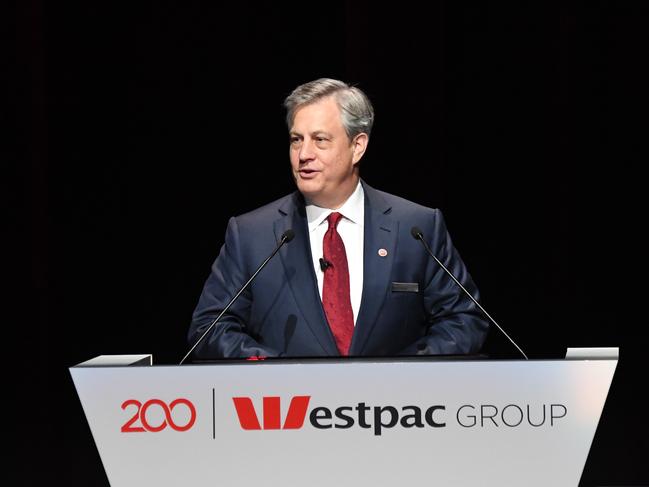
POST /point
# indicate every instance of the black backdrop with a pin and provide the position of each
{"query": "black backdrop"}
(138, 130)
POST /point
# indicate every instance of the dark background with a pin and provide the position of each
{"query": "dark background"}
(134, 132)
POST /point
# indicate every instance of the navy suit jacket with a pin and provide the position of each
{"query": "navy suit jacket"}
(281, 313)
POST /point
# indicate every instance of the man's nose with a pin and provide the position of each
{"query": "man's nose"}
(306, 151)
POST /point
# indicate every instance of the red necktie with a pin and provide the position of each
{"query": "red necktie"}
(335, 290)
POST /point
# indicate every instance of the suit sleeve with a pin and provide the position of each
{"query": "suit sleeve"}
(454, 324)
(229, 338)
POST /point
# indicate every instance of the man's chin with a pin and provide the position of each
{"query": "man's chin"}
(310, 189)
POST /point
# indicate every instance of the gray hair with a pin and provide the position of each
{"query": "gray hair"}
(356, 110)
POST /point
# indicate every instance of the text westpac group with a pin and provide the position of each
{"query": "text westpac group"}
(380, 417)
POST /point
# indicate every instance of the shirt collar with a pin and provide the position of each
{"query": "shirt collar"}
(352, 210)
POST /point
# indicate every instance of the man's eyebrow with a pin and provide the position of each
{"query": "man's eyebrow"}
(321, 132)
(315, 133)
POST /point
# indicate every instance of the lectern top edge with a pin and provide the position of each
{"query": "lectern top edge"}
(573, 353)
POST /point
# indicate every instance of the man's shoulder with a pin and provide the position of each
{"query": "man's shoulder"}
(396, 203)
(272, 210)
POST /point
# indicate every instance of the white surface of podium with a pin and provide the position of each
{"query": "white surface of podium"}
(345, 422)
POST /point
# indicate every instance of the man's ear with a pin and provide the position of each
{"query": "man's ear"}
(359, 146)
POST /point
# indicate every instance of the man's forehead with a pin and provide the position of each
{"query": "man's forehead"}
(319, 115)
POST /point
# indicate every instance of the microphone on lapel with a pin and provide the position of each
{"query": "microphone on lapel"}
(324, 264)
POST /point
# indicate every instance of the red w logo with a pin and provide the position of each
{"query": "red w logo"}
(272, 417)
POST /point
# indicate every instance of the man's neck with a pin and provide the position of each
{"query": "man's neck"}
(336, 201)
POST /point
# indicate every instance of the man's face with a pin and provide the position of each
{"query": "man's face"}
(323, 159)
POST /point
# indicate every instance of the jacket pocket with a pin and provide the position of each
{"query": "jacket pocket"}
(405, 287)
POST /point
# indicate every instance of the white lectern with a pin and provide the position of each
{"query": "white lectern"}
(355, 422)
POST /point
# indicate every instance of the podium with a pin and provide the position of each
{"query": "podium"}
(345, 422)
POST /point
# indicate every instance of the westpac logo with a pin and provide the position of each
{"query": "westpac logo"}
(271, 413)
(342, 417)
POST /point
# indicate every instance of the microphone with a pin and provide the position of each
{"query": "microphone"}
(418, 235)
(324, 264)
(286, 237)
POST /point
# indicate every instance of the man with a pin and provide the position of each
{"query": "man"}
(353, 281)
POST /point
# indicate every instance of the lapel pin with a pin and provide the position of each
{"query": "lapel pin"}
(383, 252)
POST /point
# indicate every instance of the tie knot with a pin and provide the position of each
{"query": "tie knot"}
(333, 219)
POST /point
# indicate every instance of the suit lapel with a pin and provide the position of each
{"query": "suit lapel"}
(380, 233)
(298, 268)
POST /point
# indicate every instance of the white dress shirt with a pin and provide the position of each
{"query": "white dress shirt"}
(350, 228)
